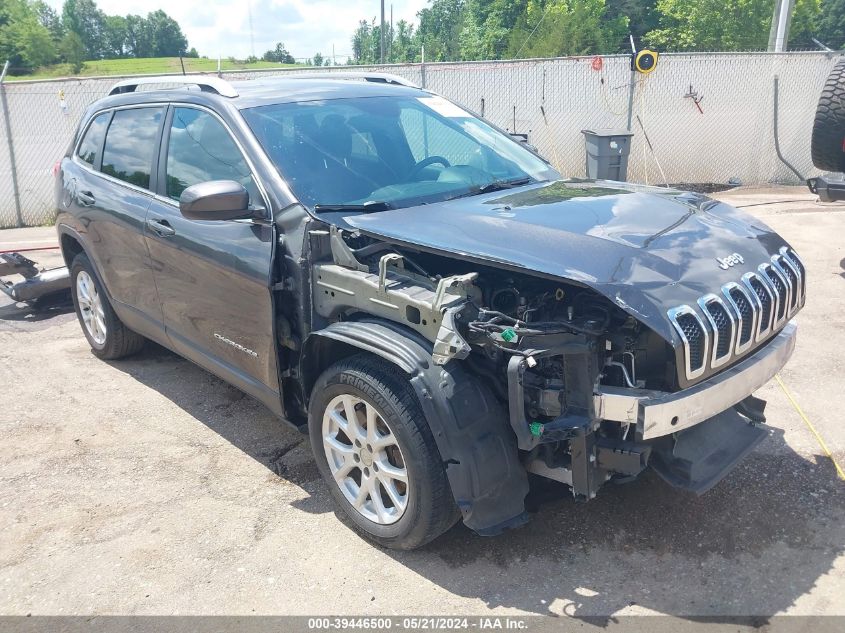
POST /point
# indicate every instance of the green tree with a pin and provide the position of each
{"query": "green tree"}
(567, 27)
(166, 35)
(317, 60)
(72, 51)
(114, 36)
(642, 17)
(712, 25)
(279, 54)
(24, 40)
(84, 18)
(472, 40)
(139, 41)
(805, 24)
(440, 28)
(487, 27)
(404, 47)
(727, 25)
(48, 17)
(363, 51)
(831, 23)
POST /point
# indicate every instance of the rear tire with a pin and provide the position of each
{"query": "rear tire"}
(828, 140)
(386, 414)
(108, 337)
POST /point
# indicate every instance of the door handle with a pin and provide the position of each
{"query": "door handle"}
(161, 228)
(86, 198)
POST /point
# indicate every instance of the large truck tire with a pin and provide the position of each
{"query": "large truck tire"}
(828, 141)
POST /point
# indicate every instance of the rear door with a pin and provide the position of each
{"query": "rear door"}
(111, 189)
(213, 277)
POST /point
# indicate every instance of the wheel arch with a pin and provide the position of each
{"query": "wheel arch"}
(70, 245)
(325, 347)
(469, 425)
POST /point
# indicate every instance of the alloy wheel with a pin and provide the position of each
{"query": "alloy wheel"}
(91, 307)
(365, 459)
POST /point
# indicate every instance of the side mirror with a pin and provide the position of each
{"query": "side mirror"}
(215, 200)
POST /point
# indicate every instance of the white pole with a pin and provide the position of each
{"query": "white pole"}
(381, 36)
(779, 37)
(422, 68)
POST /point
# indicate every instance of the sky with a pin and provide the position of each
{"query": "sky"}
(221, 27)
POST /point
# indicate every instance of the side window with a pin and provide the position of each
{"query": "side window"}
(200, 149)
(131, 145)
(91, 143)
(428, 136)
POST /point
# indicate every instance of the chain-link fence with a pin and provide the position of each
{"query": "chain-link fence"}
(698, 118)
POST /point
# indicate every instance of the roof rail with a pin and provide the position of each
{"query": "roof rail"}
(205, 83)
(385, 78)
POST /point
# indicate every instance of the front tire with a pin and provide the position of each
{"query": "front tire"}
(108, 337)
(375, 450)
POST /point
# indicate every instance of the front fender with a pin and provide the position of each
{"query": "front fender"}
(470, 426)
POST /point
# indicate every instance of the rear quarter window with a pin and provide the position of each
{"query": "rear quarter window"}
(92, 142)
(131, 145)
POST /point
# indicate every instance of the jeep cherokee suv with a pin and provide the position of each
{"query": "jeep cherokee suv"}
(424, 295)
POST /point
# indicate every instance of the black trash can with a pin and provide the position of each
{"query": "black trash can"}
(607, 153)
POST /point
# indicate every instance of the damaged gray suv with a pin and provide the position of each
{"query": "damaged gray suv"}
(422, 294)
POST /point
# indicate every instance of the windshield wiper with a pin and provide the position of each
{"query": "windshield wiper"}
(370, 206)
(495, 185)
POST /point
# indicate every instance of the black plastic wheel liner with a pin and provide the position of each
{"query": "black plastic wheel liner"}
(470, 427)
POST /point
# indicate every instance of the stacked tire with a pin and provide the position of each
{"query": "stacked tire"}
(828, 140)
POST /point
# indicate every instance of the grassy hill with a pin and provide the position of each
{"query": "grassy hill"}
(152, 65)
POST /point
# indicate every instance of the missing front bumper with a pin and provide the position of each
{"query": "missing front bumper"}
(658, 413)
(36, 283)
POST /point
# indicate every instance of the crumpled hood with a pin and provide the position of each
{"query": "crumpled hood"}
(645, 248)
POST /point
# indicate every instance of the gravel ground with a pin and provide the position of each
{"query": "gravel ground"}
(148, 486)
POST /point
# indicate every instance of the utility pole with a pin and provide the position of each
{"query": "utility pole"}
(390, 43)
(779, 35)
(251, 30)
(632, 86)
(12, 162)
(381, 33)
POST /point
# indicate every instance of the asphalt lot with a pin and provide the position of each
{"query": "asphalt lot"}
(148, 486)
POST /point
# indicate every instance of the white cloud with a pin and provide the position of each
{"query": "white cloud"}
(306, 27)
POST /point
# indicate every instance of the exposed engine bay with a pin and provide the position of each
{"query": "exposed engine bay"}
(544, 347)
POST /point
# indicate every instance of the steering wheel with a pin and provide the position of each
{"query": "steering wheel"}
(425, 162)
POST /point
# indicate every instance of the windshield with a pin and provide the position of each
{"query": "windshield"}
(394, 151)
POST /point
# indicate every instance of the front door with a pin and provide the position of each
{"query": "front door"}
(213, 277)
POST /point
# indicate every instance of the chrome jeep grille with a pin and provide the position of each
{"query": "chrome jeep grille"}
(778, 285)
(729, 324)
(798, 267)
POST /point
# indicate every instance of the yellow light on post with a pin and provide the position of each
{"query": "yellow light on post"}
(645, 61)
